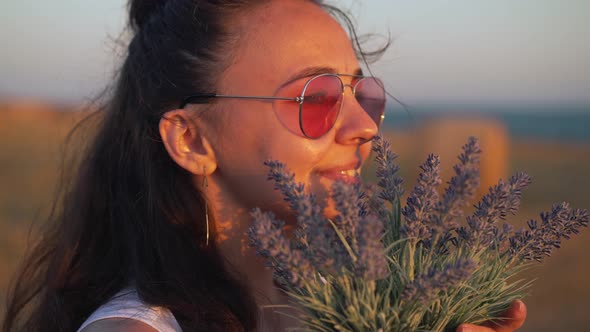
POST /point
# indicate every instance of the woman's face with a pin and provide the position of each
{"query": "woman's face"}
(280, 41)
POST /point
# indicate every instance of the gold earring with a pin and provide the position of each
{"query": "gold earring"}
(205, 185)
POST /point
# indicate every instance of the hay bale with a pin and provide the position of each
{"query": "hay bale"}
(445, 136)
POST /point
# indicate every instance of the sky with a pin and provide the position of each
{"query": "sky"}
(504, 52)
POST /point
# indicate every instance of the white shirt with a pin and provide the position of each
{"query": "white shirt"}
(126, 304)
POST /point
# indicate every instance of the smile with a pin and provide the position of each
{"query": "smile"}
(347, 176)
(350, 172)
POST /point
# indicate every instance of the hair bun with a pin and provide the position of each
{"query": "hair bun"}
(140, 11)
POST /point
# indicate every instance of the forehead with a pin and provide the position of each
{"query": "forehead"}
(283, 37)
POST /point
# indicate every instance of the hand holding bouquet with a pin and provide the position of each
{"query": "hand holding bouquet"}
(378, 266)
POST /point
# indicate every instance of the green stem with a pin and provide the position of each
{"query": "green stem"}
(411, 259)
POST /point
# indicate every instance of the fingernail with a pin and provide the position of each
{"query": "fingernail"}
(465, 328)
(518, 305)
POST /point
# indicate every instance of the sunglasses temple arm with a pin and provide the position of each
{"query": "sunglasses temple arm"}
(202, 98)
(257, 97)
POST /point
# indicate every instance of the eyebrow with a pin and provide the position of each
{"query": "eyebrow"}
(314, 71)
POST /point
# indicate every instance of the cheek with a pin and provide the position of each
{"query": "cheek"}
(252, 133)
(244, 145)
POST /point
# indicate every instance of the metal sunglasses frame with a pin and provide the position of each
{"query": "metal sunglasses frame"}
(201, 98)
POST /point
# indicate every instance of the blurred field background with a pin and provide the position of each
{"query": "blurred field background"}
(31, 151)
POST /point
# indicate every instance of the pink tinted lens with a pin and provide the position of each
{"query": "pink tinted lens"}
(321, 104)
(370, 95)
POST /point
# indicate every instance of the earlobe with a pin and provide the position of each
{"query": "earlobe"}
(187, 143)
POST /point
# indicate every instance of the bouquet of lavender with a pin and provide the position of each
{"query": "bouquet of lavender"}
(379, 267)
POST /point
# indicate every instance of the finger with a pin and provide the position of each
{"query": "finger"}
(473, 328)
(515, 317)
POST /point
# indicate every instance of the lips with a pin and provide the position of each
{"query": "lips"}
(346, 174)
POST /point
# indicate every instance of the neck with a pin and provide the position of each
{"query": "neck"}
(232, 221)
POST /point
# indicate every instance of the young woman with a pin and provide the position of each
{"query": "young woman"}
(151, 236)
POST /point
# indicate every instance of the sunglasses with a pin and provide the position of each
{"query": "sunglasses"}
(315, 110)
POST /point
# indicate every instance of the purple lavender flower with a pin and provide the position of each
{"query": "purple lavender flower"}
(371, 263)
(462, 187)
(387, 170)
(422, 201)
(577, 218)
(518, 182)
(266, 235)
(493, 206)
(371, 202)
(500, 237)
(284, 181)
(348, 204)
(353, 244)
(538, 241)
(309, 213)
(316, 239)
(428, 286)
(502, 199)
(326, 251)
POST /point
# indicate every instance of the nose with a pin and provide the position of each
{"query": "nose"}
(354, 125)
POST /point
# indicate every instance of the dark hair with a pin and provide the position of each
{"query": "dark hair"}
(132, 215)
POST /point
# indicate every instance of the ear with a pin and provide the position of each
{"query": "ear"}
(186, 143)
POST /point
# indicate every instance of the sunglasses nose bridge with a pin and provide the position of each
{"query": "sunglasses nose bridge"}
(352, 88)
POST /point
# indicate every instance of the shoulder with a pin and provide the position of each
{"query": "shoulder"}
(118, 325)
